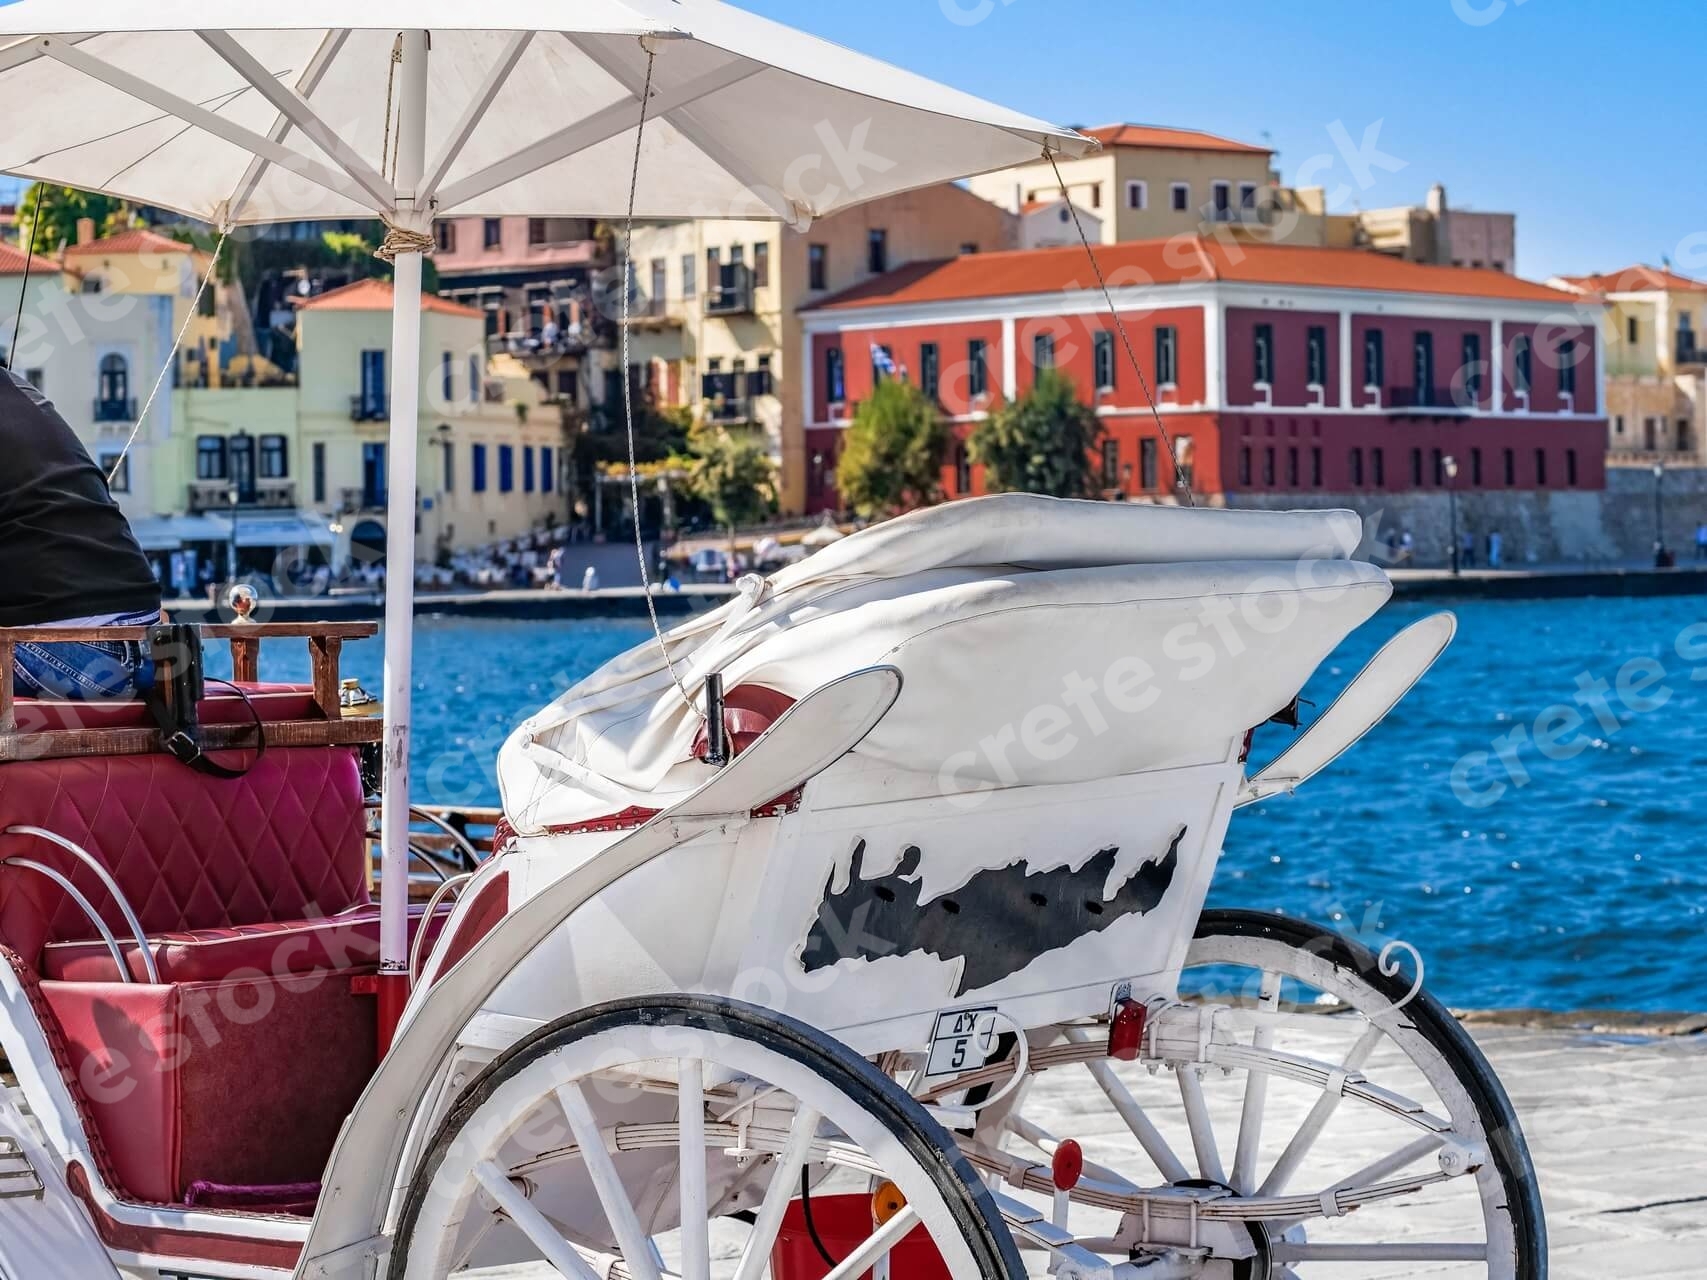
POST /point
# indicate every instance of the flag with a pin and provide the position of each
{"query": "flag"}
(882, 363)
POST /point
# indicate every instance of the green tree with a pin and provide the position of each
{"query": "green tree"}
(1041, 443)
(894, 451)
(60, 209)
(733, 476)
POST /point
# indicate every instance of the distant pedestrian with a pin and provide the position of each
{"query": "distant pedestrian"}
(1407, 546)
(1701, 540)
(1467, 550)
(590, 580)
(1495, 548)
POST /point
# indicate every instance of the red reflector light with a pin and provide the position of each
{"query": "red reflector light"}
(1126, 1032)
(1068, 1166)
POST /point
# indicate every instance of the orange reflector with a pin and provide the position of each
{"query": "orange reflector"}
(886, 1202)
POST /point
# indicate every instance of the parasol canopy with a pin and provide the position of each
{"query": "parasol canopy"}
(235, 112)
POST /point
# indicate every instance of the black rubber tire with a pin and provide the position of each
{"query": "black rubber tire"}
(1436, 1024)
(965, 1193)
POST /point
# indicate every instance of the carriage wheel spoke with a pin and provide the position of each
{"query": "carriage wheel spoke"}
(1302, 1141)
(695, 1214)
(1409, 1251)
(1121, 1099)
(532, 1223)
(1256, 1094)
(784, 1177)
(1388, 1165)
(876, 1245)
(1202, 1128)
(635, 1243)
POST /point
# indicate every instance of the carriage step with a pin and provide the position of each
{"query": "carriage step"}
(18, 1177)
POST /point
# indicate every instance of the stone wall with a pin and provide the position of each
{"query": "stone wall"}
(1551, 526)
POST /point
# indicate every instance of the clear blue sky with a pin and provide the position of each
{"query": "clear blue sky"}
(1583, 117)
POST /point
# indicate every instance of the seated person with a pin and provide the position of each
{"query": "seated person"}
(68, 557)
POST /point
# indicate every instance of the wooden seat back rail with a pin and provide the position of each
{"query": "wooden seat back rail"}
(327, 727)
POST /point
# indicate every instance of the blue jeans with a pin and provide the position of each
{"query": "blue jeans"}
(81, 672)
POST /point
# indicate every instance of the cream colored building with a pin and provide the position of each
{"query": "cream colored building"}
(490, 446)
(716, 303)
(1655, 341)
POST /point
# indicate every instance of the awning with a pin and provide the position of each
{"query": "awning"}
(279, 529)
(168, 533)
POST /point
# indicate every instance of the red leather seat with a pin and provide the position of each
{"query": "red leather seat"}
(239, 1067)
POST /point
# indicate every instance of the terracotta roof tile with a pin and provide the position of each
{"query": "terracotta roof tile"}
(12, 261)
(137, 240)
(1157, 137)
(1182, 260)
(1636, 279)
(376, 295)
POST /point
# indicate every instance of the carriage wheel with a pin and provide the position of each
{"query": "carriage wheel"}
(1349, 1120)
(649, 1137)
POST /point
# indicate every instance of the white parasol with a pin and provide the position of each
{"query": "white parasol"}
(240, 113)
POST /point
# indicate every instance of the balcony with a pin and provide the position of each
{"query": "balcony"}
(1687, 352)
(267, 495)
(370, 408)
(731, 293)
(1237, 215)
(120, 410)
(1430, 401)
(356, 501)
(534, 346)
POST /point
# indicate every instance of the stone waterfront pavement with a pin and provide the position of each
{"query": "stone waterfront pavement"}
(1617, 1126)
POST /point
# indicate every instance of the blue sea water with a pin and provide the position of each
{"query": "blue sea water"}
(1583, 887)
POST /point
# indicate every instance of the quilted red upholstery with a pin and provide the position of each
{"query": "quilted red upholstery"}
(271, 701)
(348, 941)
(283, 843)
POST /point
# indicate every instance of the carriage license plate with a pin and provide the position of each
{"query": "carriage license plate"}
(963, 1040)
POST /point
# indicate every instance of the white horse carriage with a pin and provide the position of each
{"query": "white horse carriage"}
(798, 920)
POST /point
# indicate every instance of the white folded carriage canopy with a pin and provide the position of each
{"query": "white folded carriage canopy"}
(1040, 641)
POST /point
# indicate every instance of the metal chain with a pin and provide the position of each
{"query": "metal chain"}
(628, 393)
(172, 359)
(1180, 478)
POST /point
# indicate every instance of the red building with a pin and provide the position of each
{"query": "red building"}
(1276, 369)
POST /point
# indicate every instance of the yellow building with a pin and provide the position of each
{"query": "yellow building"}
(491, 448)
(1655, 340)
(716, 303)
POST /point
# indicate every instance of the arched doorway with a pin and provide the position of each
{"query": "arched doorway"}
(113, 402)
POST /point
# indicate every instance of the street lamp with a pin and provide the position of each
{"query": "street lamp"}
(231, 497)
(1659, 516)
(1451, 465)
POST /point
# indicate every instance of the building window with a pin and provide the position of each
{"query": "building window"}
(929, 369)
(1268, 467)
(1374, 359)
(968, 249)
(1416, 468)
(449, 451)
(318, 462)
(1262, 354)
(759, 381)
(1245, 466)
(275, 458)
(1316, 355)
(447, 376)
(737, 255)
(492, 233)
(1631, 330)
(1137, 193)
(835, 386)
(114, 381)
(1476, 467)
(1221, 197)
(1103, 359)
(1650, 433)
(1247, 195)
(1510, 468)
(817, 266)
(882, 362)
(474, 379)
(1147, 464)
(1096, 195)
(1521, 348)
(1422, 367)
(962, 469)
(547, 475)
(1571, 468)
(536, 232)
(1378, 467)
(660, 286)
(478, 456)
(1471, 363)
(690, 273)
(1111, 464)
(761, 264)
(210, 457)
(1180, 193)
(1292, 473)
(877, 251)
(527, 468)
(1357, 468)
(1682, 444)
(1439, 469)
(1618, 425)
(977, 368)
(1316, 466)
(1043, 351)
(444, 235)
(116, 467)
(1540, 468)
(506, 468)
(1167, 355)
(1567, 366)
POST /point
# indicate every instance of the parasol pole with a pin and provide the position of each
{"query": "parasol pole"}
(411, 160)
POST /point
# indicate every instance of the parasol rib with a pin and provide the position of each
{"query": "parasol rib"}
(295, 108)
(495, 80)
(601, 126)
(316, 71)
(208, 122)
